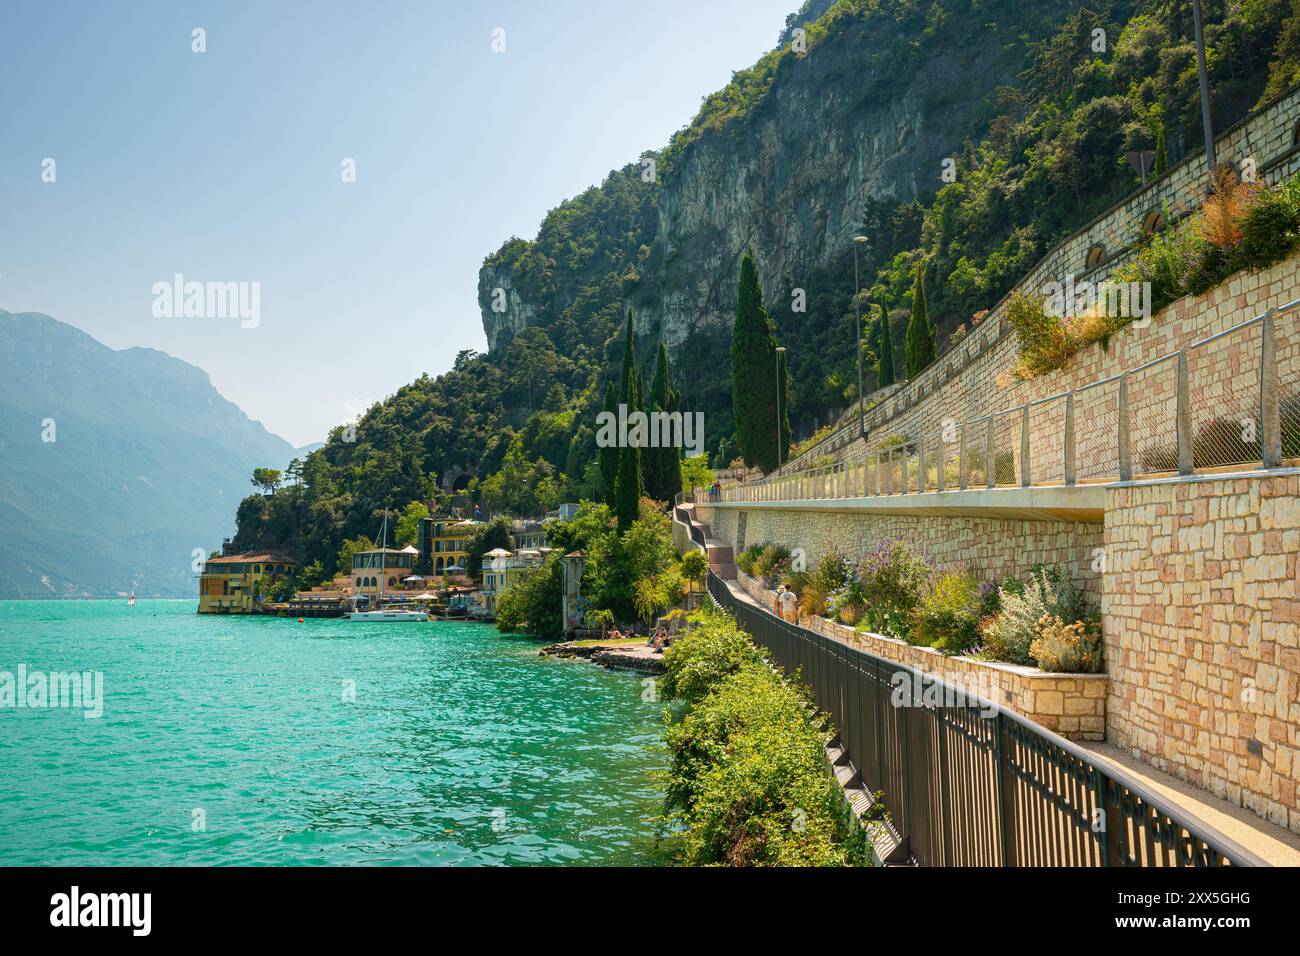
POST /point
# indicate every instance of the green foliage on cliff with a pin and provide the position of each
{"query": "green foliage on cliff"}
(1038, 148)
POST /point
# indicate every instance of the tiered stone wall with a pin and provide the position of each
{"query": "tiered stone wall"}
(1202, 623)
(983, 387)
(990, 548)
(1267, 137)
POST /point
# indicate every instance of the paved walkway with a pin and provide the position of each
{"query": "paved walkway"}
(1280, 847)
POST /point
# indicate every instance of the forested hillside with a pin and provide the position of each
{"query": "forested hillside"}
(842, 129)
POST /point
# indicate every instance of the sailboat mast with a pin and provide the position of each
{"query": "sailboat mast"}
(383, 547)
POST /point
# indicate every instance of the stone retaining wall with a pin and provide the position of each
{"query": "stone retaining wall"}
(990, 548)
(1202, 622)
(1072, 705)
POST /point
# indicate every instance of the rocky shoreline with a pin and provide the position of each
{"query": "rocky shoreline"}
(615, 657)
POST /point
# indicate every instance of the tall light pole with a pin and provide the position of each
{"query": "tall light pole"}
(857, 336)
(1197, 19)
(780, 352)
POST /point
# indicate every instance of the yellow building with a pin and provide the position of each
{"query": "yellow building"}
(240, 583)
(502, 570)
(444, 544)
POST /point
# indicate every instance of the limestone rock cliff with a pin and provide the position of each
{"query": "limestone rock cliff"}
(868, 113)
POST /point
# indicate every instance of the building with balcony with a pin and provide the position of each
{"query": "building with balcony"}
(444, 544)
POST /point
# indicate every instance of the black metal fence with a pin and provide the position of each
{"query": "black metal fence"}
(967, 783)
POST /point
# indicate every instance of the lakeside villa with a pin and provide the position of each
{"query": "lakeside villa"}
(239, 583)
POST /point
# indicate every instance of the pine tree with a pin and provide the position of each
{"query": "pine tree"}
(753, 372)
(661, 465)
(628, 483)
(609, 454)
(919, 344)
(885, 356)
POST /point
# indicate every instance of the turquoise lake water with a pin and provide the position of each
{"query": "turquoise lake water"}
(228, 740)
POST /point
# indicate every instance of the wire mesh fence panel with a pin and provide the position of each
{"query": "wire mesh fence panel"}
(933, 447)
(910, 468)
(1006, 447)
(949, 449)
(1286, 332)
(1046, 442)
(976, 438)
(1223, 382)
(1096, 431)
(1153, 407)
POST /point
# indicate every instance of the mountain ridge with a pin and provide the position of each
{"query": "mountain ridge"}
(146, 464)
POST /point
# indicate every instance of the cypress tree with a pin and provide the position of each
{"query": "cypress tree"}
(783, 375)
(919, 344)
(609, 455)
(885, 356)
(628, 484)
(661, 465)
(753, 372)
(1162, 155)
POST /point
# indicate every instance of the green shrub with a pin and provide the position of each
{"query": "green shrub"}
(532, 606)
(1207, 266)
(826, 577)
(748, 557)
(748, 783)
(1044, 339)
(948, 617)
(1270, 226)
(1075, 648)
(893, 577)
(773, 558)
(1046, 593)
(696, 662)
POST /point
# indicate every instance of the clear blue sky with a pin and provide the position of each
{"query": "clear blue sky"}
(225, 166)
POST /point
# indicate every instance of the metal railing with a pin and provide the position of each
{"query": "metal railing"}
(966, 783)
(1229, 400)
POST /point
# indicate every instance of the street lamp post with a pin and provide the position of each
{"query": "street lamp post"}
(780, 351)
(857, 336)
(1197, 22)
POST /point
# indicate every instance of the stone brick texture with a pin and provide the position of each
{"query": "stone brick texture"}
(1202, 624)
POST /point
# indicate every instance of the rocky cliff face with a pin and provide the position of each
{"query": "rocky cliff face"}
(505, 310)
(868, 113)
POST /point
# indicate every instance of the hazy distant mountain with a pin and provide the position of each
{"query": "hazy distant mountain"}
(148, 463)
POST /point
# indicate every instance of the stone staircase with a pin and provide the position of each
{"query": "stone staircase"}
(722, 561)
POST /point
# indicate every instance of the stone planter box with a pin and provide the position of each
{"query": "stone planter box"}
(1072, 705)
